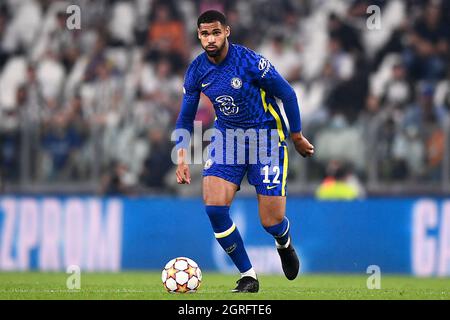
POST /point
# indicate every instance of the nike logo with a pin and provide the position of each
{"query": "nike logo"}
(271, 187)
(205, 84)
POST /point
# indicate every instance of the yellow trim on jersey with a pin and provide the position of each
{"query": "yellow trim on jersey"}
(285, 168)
(263, 98)
(274, 114)
(225, 233)
(278, 120)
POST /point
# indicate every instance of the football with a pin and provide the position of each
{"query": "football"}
(181, 275)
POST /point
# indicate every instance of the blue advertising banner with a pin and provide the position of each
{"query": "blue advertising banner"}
(408, 236)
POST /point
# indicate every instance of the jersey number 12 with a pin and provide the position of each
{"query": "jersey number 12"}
(275, 170)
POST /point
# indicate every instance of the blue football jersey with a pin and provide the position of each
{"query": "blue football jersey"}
(243, 89)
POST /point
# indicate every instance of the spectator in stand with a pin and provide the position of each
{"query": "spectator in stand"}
(429, 48)
(76, 119)
(240, 33)
(424, 114)
(398, 91)
(162, 87)
(4, 54)
(166, 36)
(348, 36)
(96, 57)
(63, 42)
(158, 162)
(10, 144)
(283, 56)
(60, 142)
(428, 120)
(442, 96)
(339, 184)
(116, 180)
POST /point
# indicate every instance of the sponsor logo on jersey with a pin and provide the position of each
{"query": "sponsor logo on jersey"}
(262, 64)
(227, 106)
(265, 65)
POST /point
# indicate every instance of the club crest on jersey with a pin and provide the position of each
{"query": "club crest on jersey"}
(236, 83)
(227, 106)
(208, 164)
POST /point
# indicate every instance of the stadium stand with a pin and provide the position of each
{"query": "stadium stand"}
(93, 109)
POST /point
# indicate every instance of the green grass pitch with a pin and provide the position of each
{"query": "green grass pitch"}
(147, 285)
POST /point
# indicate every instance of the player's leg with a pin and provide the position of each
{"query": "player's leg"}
(270, 181)
(218, 195)
(272, 214)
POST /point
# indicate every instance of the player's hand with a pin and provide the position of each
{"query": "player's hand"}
(183, 174)
(302, 145)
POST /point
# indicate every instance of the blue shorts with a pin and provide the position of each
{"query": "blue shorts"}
(268, 179)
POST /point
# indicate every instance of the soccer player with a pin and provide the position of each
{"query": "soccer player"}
(242, 86)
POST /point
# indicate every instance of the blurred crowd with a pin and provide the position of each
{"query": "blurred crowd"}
(99, 103)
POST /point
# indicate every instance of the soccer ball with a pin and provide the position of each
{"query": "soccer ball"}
(181, 275)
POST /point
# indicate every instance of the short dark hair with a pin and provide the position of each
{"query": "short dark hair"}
(211, 16)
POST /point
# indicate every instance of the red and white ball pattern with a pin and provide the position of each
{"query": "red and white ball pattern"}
(181, 275)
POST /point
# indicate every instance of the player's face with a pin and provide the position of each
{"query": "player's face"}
(213, 37)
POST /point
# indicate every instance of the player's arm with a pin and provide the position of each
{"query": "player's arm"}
(302, 145)
(272, 82)
(183, 174)
(185, 125)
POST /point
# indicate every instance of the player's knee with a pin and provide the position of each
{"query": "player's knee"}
(277, 228)
(271, 220)
(215, 199)
(218, 192)
(212, 202)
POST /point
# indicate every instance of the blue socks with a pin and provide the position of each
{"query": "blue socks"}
(230, 239)
(228, 236)
(280, 232)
